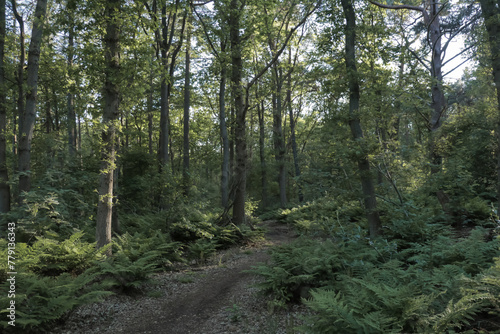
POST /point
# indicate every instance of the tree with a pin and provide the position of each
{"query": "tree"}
(370, 200)
(491, 12)
(220, 21)
(4, 175)
(28, 122)
(169, 51)
(187, 105)
(431, 13)
(111, 99)
(71, 96)
(241, 98)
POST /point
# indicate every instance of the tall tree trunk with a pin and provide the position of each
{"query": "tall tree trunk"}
(70, 96)
(292, 129)
(370, 200)
(224, 134)
(32, 86)
(491, 13)
(168, 63)
(150, 113)
(187, 105)
(262, 153)
(279, 143)
(240, 113)
(4, 175)
(438, 104)
(110, 119)
(165, 89)
(20, 87)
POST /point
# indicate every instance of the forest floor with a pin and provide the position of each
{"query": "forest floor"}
(214, 298)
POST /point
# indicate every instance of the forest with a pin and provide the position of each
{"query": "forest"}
(143, 136)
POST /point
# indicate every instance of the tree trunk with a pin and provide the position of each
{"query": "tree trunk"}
(240, 113)
(224, 134)
(292, 129)
(438, 104)
(4, 176)
(262, 153)
(279, 144)
(370, 200)
(187, 104)
(168, 63)
(32, 84)
(491, 12)
(70, 97)
(110, 118)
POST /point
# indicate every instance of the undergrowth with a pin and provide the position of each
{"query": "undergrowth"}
(422, 279)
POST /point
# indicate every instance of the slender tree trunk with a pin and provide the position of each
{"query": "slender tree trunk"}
(279, 143)
(224, 134)
(370, 200)
(48, 112)
(111, 96)
(150, 114)
(292, 130)
(187, 105)
(168, 62)
(231, 142)
(240, 113)
(20, 68)
(438, 104)
(262, 153)
(164, 123)
(32, 85)
(4, 175)
(491, 13)
(165, 91)
(70, 96)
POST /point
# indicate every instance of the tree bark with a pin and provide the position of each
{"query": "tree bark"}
(20, 68)
(262, 153)
(4, 175)
(111, 94)
(292, 129)
(240, 113)
(223, 133)
(187, 105)
(491, 13)
(279, 143)
(369, 198)
(168, 62)
(32, 85)
(71, 97)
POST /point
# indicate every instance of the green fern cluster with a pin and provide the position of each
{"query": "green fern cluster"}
(50, 257)
(136, 258)
(357, 285)
(39, 301)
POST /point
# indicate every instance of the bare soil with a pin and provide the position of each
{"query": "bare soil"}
(218, 297)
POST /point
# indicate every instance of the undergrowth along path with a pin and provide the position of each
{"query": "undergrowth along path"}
(218, 297)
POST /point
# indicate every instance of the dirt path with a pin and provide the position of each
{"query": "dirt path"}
(218, 298)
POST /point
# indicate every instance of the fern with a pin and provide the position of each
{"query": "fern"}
(42, 300)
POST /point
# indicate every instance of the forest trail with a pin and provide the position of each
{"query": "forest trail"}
(202, 300)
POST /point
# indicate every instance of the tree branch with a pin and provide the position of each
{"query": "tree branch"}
(280, 51)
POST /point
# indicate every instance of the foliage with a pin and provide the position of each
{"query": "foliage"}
(49, 257)
(357, 285)
(136, 258)
(40, 301)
